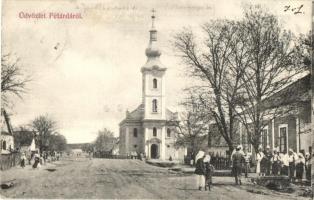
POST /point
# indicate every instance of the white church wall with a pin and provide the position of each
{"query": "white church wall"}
(138, 140)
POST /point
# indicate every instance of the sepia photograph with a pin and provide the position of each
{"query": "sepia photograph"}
(113, 99)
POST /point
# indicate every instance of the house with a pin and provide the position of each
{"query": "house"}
(6, 137)
(24, 140)
(7, 142)
(289, 129)
(148, 129)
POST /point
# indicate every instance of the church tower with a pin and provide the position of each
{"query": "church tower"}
(153, 80)
(148, 128)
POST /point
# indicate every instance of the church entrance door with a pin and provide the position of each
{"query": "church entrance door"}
(154, 151)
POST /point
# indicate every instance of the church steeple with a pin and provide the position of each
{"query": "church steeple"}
(152, 51)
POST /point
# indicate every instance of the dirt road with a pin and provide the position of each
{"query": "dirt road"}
(82, 178)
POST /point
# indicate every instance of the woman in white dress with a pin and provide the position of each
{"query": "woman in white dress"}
(259, 157)
(200, 169)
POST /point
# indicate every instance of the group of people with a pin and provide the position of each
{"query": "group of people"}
(36, 160)
(268, 163)
(204, 170)
(289, 164)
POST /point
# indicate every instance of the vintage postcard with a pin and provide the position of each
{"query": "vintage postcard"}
(113, 99)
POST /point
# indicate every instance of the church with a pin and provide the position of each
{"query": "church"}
(148, 129)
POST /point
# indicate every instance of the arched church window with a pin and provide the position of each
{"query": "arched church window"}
(168, 132)
(135, 132)
(155, 105)
(4, 145)
(154, 83)
(154, 132)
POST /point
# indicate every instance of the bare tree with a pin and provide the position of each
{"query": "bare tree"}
(215, 61)
(13, 80)
(272, 64)
(192, 128)
(44, 126)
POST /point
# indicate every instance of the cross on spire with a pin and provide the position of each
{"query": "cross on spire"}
(153, 18)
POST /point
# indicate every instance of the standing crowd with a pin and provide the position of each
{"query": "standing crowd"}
(297, 166)
(289, 163)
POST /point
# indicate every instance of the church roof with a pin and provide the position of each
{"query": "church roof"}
(137, 115)
(153, 64)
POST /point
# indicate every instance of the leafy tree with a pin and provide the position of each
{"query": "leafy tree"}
(105, 140)
(44, 127)
(88, 147)
(57, 142)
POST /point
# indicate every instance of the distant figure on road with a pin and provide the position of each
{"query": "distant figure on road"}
(90, 155)
(237, 161)
(23, 160)
(200, 169)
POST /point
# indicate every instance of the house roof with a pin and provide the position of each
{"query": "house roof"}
(296, 92)
(5, 133)
(26, 135)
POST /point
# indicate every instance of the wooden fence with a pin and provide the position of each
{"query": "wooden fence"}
(110, 156)
(9, 160)
(220, 162)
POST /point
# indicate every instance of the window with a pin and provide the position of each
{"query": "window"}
(283, 146)
(264, 138)
(154, 132)
(168, 132)
(135, 132)
(155, 105)
(154, 83)
(4, 145)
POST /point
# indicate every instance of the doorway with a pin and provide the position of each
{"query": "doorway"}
(154, 151)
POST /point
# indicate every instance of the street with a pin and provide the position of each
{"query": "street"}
(82, 178)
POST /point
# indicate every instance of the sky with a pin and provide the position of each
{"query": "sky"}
(93, 75)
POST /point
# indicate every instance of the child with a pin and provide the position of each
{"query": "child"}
(209, 171)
